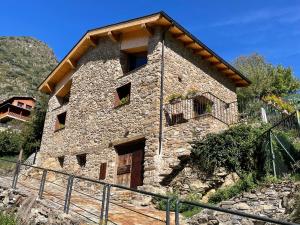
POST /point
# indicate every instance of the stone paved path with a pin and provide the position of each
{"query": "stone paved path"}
(88, 205)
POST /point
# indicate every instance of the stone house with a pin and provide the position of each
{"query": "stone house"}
(128, 97)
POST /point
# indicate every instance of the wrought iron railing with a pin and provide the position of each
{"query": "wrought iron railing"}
(205, 104)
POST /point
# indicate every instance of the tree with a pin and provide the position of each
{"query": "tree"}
(33, 131)
(266, 79)
(10, 142)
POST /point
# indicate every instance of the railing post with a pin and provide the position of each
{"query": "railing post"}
(168, 212)
(272, 154)
(177, 212)
(16, 175)
(103, 204)
(68, 194)
(107, 204)
(35, 153)
(42, 185)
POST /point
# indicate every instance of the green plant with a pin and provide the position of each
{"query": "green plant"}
(174, 97)
(10, 142)
(185, 209)
(208, 108)
(279, 103)
(124, 100)
(191, 92)
(7, 219)
(246, 183)
(235, 149)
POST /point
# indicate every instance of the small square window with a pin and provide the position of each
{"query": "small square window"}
(20, 104)
(122, 95)
(28, 107)
(134, 60)
(61, 160)
(81, 159)
(60, 121)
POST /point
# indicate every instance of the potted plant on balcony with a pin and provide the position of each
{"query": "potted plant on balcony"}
(191, 93)
(175, 98)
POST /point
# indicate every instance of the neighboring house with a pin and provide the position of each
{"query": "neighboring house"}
(110, 115)
(16, 108)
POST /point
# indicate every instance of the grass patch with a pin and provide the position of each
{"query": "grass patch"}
(246, 183)
(7, 219)
(7, 167)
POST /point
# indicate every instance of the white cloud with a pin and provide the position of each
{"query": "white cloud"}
(283, 15)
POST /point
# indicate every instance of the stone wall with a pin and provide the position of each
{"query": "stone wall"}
(93, 124)
(275, 200)
(185, 71)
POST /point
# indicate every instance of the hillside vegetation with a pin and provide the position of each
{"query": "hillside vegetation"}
(24, 63)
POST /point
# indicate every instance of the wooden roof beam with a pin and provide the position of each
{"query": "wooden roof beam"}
(207, 57)
(198, 52)
(216, 64)
(50, 87)
(148, 29)
(179, 36)
(92, 41)
(190, 44)
(113, 37)
(71, 64)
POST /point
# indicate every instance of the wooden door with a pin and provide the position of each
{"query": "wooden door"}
(124, 169)
(130, 165)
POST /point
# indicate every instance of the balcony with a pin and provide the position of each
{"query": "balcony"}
(200, 105)
(8, 112)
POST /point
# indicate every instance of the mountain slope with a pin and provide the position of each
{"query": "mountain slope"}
(24, 63)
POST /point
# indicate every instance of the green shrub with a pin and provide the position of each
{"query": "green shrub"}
(186, 210)
(246, 183)
(235, 149)
(173, 97)
(7, 219)
(10, 142)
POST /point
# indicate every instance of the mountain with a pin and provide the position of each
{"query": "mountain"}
(24, 63)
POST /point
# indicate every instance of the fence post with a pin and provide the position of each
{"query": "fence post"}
(42, 185)
(103, 204)
(272, 154)
(168, 212)
(68, 194)
(107, 204)
(35, 153)
(177, 212)
(16, 175)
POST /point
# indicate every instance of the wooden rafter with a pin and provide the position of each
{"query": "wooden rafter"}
(190, 44)
(146, 28)
(71, 64)
(113, 37)
(206, 57)
(92, 41)
(179, 36)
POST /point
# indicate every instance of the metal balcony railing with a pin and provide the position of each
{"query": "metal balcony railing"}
(199, 105)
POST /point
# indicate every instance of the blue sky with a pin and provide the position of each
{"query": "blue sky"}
(231, 28)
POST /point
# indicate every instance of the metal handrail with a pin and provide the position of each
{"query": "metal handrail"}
(179, 201)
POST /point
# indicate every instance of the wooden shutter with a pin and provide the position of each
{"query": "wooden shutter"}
(117, 99)
(102, 174)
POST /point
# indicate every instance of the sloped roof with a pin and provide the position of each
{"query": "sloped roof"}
(146, 22)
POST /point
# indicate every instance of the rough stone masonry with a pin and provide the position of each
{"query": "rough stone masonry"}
(93, 125)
